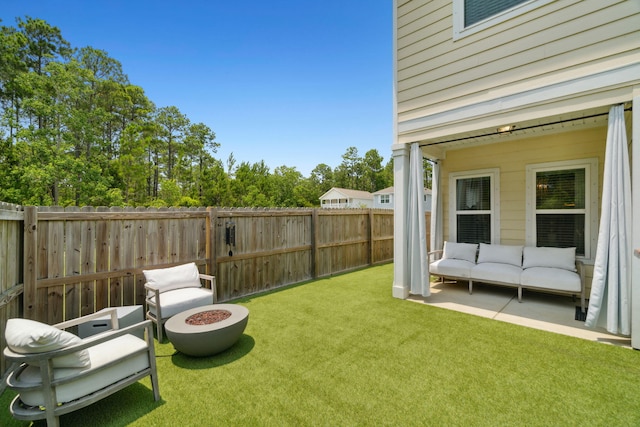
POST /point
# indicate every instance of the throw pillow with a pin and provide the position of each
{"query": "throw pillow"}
(26, 336)
(463, 251)
(180, 276)
(564, 258)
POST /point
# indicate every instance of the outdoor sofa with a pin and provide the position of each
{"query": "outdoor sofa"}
(524, 267)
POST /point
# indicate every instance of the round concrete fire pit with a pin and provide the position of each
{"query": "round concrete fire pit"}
(201, 332)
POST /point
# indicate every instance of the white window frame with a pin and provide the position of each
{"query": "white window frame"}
(385, 199)
(460, 31)
(494, 176)
(590, 202)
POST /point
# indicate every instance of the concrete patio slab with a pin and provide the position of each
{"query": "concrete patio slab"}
(548, 312)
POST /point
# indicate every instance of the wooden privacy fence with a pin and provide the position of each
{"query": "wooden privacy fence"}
(80, 260)
(60, 263)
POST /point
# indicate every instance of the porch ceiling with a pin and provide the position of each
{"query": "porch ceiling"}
(584, 119)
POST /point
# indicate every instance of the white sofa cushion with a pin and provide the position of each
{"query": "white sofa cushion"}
(550, 278)
(179, 300)
(451, 267)
(463, 251)
(496, 272)
(502, 254)
(96, 378)
(564, 258)
(28, 336)
(180, 276)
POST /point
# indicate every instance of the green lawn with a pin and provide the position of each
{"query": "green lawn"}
(343, 352)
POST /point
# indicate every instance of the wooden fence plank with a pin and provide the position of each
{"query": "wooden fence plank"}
(116, 249)
(102, 260)
(73, 265)
(30, 275)
(152, 251)
(128, 260)
(88, 262)
(162, 241)
(42, 300)
(142, 256)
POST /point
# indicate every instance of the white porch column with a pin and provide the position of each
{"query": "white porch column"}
(635, 224)
(401, 281)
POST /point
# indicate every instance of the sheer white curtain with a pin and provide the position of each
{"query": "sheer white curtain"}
(610, 300)
(436, 242)
(417, 230)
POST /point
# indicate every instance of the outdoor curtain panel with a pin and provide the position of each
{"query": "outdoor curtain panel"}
(417, 241)
(436, 210)
(609, 304)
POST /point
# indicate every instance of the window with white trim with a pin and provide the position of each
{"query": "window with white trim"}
(384, 199)
(470, 16)
(562, 205)
(474, 202)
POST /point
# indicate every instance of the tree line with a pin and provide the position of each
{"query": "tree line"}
(75, 131)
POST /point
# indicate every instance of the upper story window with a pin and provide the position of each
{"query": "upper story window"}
(384, 199)
(470, 16)
(479, 10)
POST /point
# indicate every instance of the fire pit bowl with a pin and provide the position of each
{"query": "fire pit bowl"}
(200, 332)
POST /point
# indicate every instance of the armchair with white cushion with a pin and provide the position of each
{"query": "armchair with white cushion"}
(55, 372)
(175, 289)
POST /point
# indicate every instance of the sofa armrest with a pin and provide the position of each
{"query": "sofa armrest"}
(152, 299)
(433, 254)
(113, 312)
(212, 285)
(580, 268)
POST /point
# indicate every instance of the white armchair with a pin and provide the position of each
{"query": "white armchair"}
(56, 372)
(175, 289)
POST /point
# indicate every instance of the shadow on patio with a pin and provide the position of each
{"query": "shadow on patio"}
(548, 312)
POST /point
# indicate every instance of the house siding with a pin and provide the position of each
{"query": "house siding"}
(556, 42)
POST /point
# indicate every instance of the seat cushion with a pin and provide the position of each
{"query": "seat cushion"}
(95, 378)
(180, 276)
(550, 278)
(451, 268)
(496, 272)
(179, 300)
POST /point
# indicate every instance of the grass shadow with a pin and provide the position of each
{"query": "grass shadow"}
(125, 407)
(240, 349)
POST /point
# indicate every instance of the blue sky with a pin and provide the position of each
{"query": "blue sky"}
(292, 83)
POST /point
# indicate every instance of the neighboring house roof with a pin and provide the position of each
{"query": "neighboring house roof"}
(389, 190)
(353, 194)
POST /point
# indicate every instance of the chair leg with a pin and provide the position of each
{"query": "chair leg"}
(152, 363)
(519, 293)
(159, 329)
(470, 287)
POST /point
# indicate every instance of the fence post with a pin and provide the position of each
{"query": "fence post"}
(371, 248)
(211, 241)
(314, 243)
(30, 261)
